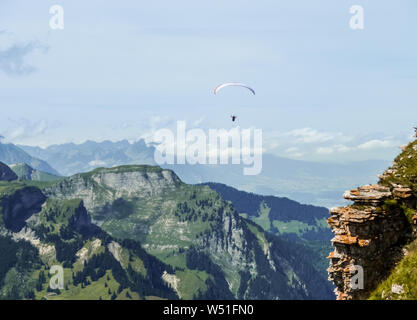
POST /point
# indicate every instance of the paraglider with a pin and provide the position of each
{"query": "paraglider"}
(233, 84)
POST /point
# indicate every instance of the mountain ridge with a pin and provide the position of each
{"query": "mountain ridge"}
(11, 154)
(307, 182)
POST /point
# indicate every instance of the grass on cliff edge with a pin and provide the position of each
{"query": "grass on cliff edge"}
(8, 188)
(404, 274)
(406, 168)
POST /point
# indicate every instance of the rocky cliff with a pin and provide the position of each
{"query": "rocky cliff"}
(102, 186)
(369, 235)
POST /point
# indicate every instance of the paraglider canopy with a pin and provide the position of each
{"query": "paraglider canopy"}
(233, 84)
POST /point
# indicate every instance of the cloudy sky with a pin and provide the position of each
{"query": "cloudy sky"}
(123, 69)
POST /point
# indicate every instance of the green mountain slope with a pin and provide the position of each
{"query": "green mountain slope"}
(138, 232)
(279, 215)
(305, 224)
(25, 172)
(59, 232)
(401, 284)
(195, 231)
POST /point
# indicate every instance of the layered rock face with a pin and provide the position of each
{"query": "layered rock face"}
(369, 234)
(102, 186)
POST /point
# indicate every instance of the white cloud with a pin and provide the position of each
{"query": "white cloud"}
(309, 135)
(294, 152)
(198, 122)
(96, 163)
(324, 150)
(342, 148)
(13, 55)
(157, 121)
(377, 144)
(23, 129)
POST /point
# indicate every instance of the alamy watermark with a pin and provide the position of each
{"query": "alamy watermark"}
(220, 146)
(57, 279)
(356, 281)
(57, 20)
(357, 21)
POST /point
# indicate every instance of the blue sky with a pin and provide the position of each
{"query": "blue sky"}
(122, 69)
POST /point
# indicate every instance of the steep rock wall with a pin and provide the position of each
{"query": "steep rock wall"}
(370, 233)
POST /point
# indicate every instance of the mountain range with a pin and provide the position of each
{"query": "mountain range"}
(139, 232)
(315, 183)
(109, 215)
(11, 154)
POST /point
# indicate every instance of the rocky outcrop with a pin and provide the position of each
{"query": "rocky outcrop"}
(6, 174)
(47, 251)
(21, 205)
(103, 186)
(370, 234)
(80, 221)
